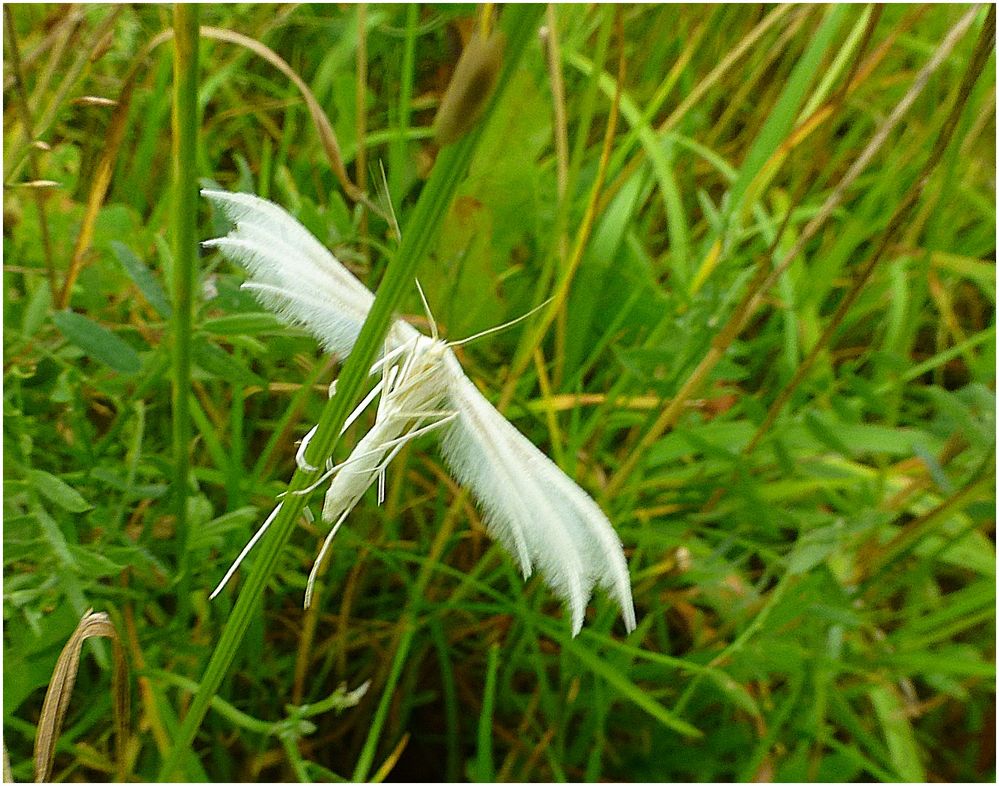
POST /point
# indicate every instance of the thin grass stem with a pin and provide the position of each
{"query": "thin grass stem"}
(29, 137)
(561, 295)
(361, 130)
(695, 95)
(44, 120)
(895, 226)
(185, 256)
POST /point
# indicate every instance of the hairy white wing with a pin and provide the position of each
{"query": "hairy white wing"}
(294, 275)
(532, 507)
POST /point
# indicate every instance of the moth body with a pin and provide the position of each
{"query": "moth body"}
(413, 401)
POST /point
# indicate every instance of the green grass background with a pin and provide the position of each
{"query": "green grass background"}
(816, 595)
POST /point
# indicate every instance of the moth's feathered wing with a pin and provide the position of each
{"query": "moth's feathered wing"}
(533, 508)
(294, 275)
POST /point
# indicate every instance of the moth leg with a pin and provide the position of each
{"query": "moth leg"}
(420, 414)
(387, 358)
(447, 417)
(300, 455)
(314, 573)
(352, 459)
(304, 465)
(246, 550)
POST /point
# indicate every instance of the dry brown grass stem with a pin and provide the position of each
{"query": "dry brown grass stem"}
(61, 690)
(150, 705)
(391, 760)
(303, 654)
(910, 535)
(98, 189)
(27, 122)
(895, 226)
(327, 137)
(53, 43)
(553, 59)
(561, 294)
(12, 163)
(756, 293)
(544, 384)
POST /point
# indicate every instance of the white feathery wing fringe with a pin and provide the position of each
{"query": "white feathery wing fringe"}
(294, 275)
(531, 506)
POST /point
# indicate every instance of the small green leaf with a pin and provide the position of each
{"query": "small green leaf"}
(902, 745)
(243, 324)
(94, 564)
(34, 313)
(812, 548)
(58, 491)
(822, 431)
(143, 278)
(97, 341)
(217, 362)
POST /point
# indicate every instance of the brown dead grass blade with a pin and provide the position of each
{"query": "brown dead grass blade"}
(326, 135)
(61, 690)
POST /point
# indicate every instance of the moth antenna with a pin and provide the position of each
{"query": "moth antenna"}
(426, 308)
(498, 328)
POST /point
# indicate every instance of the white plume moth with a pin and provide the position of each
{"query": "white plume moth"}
(533, 508)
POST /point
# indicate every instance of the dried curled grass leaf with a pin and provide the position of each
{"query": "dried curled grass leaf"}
(326, 134)
(61, 690)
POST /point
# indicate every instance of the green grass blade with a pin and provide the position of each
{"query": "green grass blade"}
(484, 758)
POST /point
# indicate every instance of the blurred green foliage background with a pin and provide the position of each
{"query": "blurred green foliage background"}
(811, 538)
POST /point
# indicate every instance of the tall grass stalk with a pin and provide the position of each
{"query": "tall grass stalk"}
(185, 254)
(422, 228)
(560, 297)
